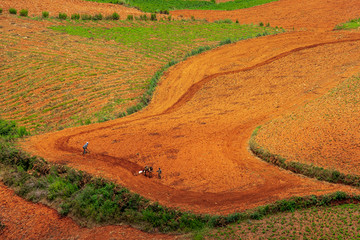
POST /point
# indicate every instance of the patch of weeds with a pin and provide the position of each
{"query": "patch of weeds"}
(352, 24)
(1, 10)
(97, 17)
(24, 12)
(85, 17)
(130, 17)
(75, 16)
(115, 16)
(45, 14)
(12, 11)
(153, 17)
(62, 16)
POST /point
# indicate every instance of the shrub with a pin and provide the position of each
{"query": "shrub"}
(115, 16)
(153, 17)
(24, 12)
(143, 17)
(130, 17)
(261, 24)
(62, 16)
(75, 16)
(85, 17)
(45, 14)
(164, 12)
(0, 10)
(97, 17)
(12, 11)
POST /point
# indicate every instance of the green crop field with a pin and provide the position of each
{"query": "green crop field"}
(160, 5)
(337, 222)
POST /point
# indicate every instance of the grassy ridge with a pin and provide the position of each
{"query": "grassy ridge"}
(320, 173)
(159, 5)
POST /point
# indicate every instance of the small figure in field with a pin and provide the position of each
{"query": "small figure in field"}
(159, 173)
(85, 148)
(148, 170)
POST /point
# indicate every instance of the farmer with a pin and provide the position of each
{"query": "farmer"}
(159, 173)
(85, 148)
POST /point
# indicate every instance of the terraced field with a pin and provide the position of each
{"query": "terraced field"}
(201, 117)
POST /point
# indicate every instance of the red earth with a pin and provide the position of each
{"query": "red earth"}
(204, 110)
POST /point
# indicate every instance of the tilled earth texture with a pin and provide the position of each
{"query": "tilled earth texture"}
(199, 122)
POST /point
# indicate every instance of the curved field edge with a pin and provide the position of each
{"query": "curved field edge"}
(320, 173)
(345, 96)
(106, 71)
(96, 201)
(163, 6)
(150, 88)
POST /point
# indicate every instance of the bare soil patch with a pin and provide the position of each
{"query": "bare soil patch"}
(69, 7)
(286, 13)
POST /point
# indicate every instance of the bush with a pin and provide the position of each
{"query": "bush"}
(12, 11)
(62, 16)
(143, 17)
(0, 10)
(97, 17)
(164, 12)
(130, 17)
(75, 16)
(115, 16)
(24, 12)
(86, 17)
(45, 14)
(153, 17)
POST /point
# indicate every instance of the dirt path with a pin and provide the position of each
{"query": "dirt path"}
(198, 125)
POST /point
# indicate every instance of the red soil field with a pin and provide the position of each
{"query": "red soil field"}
(199, 122)
(69, 7)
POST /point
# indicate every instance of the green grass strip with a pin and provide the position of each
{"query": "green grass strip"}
(312, 171)
(352, 24)
(161, 5)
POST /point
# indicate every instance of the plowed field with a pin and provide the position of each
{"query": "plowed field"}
(204, 110)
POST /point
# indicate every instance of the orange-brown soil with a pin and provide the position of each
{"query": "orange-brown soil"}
(204, 110)
(51, 80)
(324, 132)
(319, 14)
(69, 7)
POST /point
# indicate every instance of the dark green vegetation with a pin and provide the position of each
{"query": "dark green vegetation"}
(320, 173)
(12, 11)
(45, 14)
(24, 12)
(9, 130)
(62, 16)
(168, 5)
(336, 222)
(1, 10)
(352, 24)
